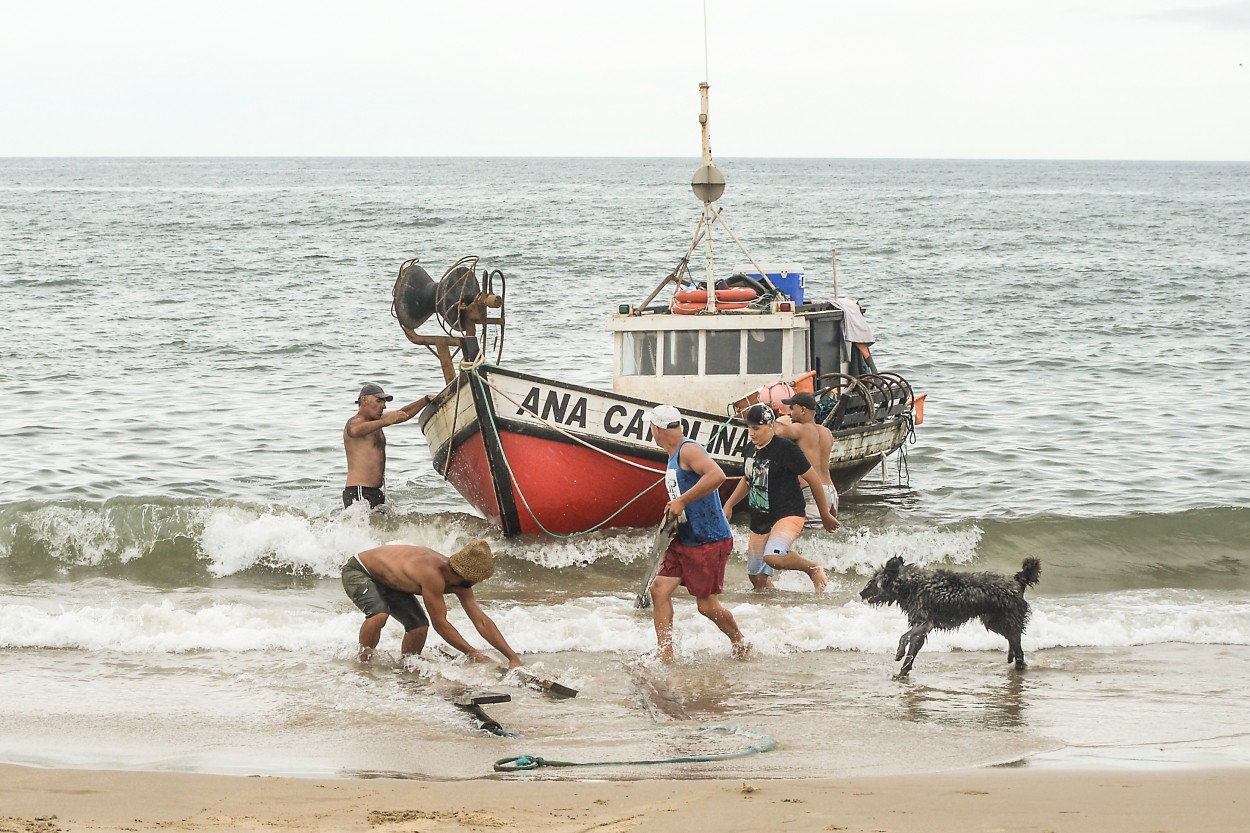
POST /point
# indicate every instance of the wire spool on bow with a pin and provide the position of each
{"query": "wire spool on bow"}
(416, 296)
(455, 293)
(413, 295)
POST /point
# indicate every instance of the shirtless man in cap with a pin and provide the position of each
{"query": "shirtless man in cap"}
(387, 581)
(365, 444)
(815, 440)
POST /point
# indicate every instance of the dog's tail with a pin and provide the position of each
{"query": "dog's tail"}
(1030, 574)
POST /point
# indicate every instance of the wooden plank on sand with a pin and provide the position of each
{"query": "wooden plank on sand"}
(526, 677)
(556, 690)
(479, 698)
(658, 545)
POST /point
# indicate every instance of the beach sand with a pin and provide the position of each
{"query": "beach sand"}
(998, 799)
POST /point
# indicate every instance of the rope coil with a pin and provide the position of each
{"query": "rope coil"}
(763, 743)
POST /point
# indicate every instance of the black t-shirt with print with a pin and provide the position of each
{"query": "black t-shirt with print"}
(773, 488)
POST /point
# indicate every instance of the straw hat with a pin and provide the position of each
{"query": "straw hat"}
(475, 561)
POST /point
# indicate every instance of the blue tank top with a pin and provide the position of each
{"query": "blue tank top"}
(705, 520)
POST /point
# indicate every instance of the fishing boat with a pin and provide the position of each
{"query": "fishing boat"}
(536, 455)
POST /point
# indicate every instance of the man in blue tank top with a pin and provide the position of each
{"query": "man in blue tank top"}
(698, 553)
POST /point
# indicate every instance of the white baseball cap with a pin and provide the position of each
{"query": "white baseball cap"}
(665, 416)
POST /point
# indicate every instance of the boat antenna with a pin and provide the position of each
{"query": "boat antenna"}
(708, 184)
(833, 255)
(707, 76)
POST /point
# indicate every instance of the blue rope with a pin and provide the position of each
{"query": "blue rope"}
(764, 743)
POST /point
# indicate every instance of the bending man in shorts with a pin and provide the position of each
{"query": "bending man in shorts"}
(697, 555)
(387, 581)
(773, 468)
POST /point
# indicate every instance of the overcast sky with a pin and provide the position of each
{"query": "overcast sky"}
(1087, 79)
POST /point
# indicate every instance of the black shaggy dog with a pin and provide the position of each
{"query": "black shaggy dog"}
(945, 599)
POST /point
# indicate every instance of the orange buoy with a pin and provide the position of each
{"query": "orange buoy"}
(806, 382)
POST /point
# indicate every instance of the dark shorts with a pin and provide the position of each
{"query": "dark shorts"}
(374, 597)
(354, 493)
(701, 567)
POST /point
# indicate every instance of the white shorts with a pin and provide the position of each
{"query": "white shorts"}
(813, 515)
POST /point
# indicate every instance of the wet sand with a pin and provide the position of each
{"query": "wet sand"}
(1142, 739)
(50, 800)
(833, 714)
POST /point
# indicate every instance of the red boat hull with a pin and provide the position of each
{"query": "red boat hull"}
(536, 456)
(565, 488)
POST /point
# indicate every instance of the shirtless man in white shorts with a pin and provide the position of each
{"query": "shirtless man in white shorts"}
(815, 440)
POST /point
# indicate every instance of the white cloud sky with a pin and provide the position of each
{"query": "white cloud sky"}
(1099, 79)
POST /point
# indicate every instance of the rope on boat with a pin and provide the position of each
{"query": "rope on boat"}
(763, 743)
(512, 476)
(716, 429)
(560, 430)
(903, 469)
(455, 418)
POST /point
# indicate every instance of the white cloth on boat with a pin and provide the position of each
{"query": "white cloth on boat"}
(854, 326)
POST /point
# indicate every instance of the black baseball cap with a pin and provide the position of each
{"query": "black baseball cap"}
(373, 390)
(803, 398)
(759, 415)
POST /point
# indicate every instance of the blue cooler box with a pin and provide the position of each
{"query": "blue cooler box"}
(789, 280)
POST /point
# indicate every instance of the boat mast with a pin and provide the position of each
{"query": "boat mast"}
(708, 184)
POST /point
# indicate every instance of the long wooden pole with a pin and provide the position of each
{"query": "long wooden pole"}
(833, 255)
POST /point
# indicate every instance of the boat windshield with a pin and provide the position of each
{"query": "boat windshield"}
(639, 354)
(764, 351)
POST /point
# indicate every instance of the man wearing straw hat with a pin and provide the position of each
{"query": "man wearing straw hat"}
(387, 581)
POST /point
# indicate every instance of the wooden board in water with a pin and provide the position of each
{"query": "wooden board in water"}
(659, 544)
(557, 690)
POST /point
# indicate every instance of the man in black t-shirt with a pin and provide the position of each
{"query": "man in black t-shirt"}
(773, 467)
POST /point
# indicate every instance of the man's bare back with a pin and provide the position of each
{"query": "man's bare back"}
(409, 568)
(816, 440)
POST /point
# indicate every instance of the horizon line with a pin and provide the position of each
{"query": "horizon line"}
(138, 156)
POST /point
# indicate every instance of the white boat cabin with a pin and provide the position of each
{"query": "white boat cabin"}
(707, 362)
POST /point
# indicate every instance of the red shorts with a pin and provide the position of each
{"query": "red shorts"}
(701, 567)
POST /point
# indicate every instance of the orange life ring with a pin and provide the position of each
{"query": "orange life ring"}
(699, 296)
(696, 307)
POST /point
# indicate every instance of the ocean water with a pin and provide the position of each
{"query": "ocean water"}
(184, 338)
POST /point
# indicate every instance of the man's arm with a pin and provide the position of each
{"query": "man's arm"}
(711, 476)
(414, 408)
(365, 427)
(436, 607)
(357, 428)
(738, 494)
(486, 626)
(788, 429)
(826, 444)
